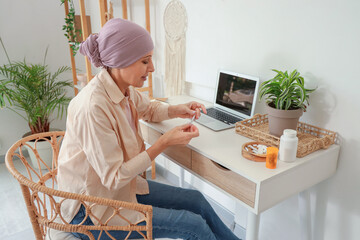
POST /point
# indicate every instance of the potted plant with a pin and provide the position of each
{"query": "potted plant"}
(286, 99)
(33, 92)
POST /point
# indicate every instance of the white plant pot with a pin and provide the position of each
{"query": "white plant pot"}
(44, 149)
(45, 152)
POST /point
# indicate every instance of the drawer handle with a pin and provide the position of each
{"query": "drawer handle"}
(219, 166)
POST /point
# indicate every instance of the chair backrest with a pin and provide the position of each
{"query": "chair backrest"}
(38, 185)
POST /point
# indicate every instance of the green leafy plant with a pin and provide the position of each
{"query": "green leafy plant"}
(285, 91)
(71, 33)
(32, 92)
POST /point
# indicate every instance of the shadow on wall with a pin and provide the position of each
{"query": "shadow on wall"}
(322, 102)
(336, 208)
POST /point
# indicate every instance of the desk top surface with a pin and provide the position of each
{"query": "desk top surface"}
(224, 147)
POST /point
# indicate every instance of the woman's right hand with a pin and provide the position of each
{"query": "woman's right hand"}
(180, 135)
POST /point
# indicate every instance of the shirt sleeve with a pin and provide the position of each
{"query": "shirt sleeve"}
(104, 151)
(152, 111)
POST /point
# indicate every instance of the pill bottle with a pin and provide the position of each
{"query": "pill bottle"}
(271, 157)
(288, 146)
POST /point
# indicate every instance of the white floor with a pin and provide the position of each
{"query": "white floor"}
(14, 220)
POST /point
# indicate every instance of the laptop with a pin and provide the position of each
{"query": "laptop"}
(234, 101)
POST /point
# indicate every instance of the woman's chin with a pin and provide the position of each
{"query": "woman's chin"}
(139, 85)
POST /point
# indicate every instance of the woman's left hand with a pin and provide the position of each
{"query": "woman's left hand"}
(187, 110)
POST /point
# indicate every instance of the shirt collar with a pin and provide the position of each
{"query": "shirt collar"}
(111, 88)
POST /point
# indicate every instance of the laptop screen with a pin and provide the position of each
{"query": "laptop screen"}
(237, 92)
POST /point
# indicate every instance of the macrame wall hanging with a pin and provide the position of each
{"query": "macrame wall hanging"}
(175, 23)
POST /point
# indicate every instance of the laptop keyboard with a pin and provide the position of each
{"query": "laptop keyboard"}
(221, 116)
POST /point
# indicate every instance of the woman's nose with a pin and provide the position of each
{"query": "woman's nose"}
(151, 67)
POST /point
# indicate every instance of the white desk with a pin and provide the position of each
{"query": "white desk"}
(257, 187)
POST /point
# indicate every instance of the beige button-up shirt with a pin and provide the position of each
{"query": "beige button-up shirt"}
(101, 155)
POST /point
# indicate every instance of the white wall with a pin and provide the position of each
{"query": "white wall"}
(27, 28)
(320, 38)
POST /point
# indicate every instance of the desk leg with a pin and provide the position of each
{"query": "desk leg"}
(181, 177)
(252, 228)
(305, 215)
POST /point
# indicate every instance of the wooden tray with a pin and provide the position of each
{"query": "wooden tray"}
(246, 153)
(311, 138)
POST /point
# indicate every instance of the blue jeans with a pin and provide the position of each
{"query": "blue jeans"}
(177, 213)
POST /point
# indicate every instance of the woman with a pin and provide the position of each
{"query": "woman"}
(103, 152)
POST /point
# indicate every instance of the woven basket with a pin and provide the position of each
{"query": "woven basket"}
(311, 138)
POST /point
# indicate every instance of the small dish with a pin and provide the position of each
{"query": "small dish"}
(249, 151)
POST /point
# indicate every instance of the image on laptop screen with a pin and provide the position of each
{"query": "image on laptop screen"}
(236, 93)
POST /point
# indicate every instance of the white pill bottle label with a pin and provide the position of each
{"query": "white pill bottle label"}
(288, 146)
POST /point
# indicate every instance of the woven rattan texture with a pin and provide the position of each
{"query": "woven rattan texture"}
(311, 138)
(44, 202)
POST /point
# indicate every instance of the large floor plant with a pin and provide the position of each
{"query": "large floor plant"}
(33, 92)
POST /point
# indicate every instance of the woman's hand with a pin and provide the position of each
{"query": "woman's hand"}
(180, 135)
(187, 110)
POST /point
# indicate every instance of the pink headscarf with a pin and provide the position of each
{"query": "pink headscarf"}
(119, 44)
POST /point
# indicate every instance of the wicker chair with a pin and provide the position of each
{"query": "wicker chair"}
(44, 202)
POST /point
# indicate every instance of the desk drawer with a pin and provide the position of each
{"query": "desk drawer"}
(227, 180)
(180, 154)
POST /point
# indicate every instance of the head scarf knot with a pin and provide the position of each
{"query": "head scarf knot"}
(90, 49)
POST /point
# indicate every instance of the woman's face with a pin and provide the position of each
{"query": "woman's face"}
(135, 74)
